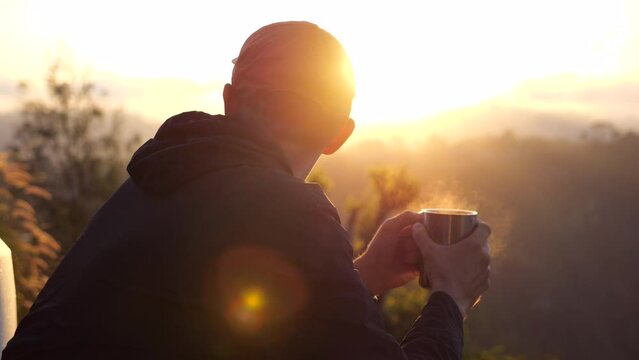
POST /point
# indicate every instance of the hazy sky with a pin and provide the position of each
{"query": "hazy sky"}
(412, 59)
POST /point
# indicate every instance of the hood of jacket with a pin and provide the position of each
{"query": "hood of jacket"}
(195, 143)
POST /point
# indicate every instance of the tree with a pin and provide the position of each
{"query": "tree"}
(319, 177)
(75, 147)
(392, 191)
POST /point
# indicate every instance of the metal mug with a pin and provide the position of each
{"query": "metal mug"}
(447, 227)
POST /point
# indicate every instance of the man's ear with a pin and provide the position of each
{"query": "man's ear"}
(344, 133)
(230, 99)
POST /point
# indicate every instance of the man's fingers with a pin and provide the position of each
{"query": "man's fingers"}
(479, 236)
(482, 231)
(406, 242)
(406, 232)
(477, 244)
(412, 257)
(485, 258)
(407, 218)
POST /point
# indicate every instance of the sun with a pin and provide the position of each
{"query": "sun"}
(411, 59)
(439, 56)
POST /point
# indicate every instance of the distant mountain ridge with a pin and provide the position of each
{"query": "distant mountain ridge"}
(489, 118)
(493, 118)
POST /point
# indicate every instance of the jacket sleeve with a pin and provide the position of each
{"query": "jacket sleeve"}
(345, 322)
(438, 331)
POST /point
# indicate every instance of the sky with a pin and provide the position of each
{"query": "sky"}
(412, 59)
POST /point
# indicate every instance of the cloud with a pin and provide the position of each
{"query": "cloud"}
(612, 97)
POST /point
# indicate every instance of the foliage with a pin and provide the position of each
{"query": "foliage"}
(392, 191)
(494, 353)
(75, 147)
(320, 178)
(499, 353)
(33, 248)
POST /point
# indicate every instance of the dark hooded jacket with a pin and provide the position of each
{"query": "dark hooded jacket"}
(214, 250)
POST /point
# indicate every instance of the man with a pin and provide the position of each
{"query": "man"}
(216, 248)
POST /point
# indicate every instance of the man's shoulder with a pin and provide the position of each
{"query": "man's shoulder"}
(256, 188)
(303, 196)
(280, 205)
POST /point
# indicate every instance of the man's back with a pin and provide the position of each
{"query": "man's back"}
(154, 269)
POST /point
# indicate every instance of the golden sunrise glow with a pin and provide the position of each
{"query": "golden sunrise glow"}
(412, 59)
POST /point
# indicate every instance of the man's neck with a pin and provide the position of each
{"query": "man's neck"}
(300, 158)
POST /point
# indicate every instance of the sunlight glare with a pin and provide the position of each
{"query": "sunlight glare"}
(411, 59)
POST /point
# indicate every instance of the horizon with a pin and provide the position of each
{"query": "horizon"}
(409, 59)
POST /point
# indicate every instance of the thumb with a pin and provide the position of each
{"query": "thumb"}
(394, 225)
(422, 238)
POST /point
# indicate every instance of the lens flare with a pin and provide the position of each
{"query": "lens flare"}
(247, 311)
(253, 299)
(258, 291)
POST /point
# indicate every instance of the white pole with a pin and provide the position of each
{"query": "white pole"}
(8, 312)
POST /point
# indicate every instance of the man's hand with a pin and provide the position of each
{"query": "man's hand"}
(392, 258)
(461, 270)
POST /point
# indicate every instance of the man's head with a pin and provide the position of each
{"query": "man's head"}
(296, 81)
